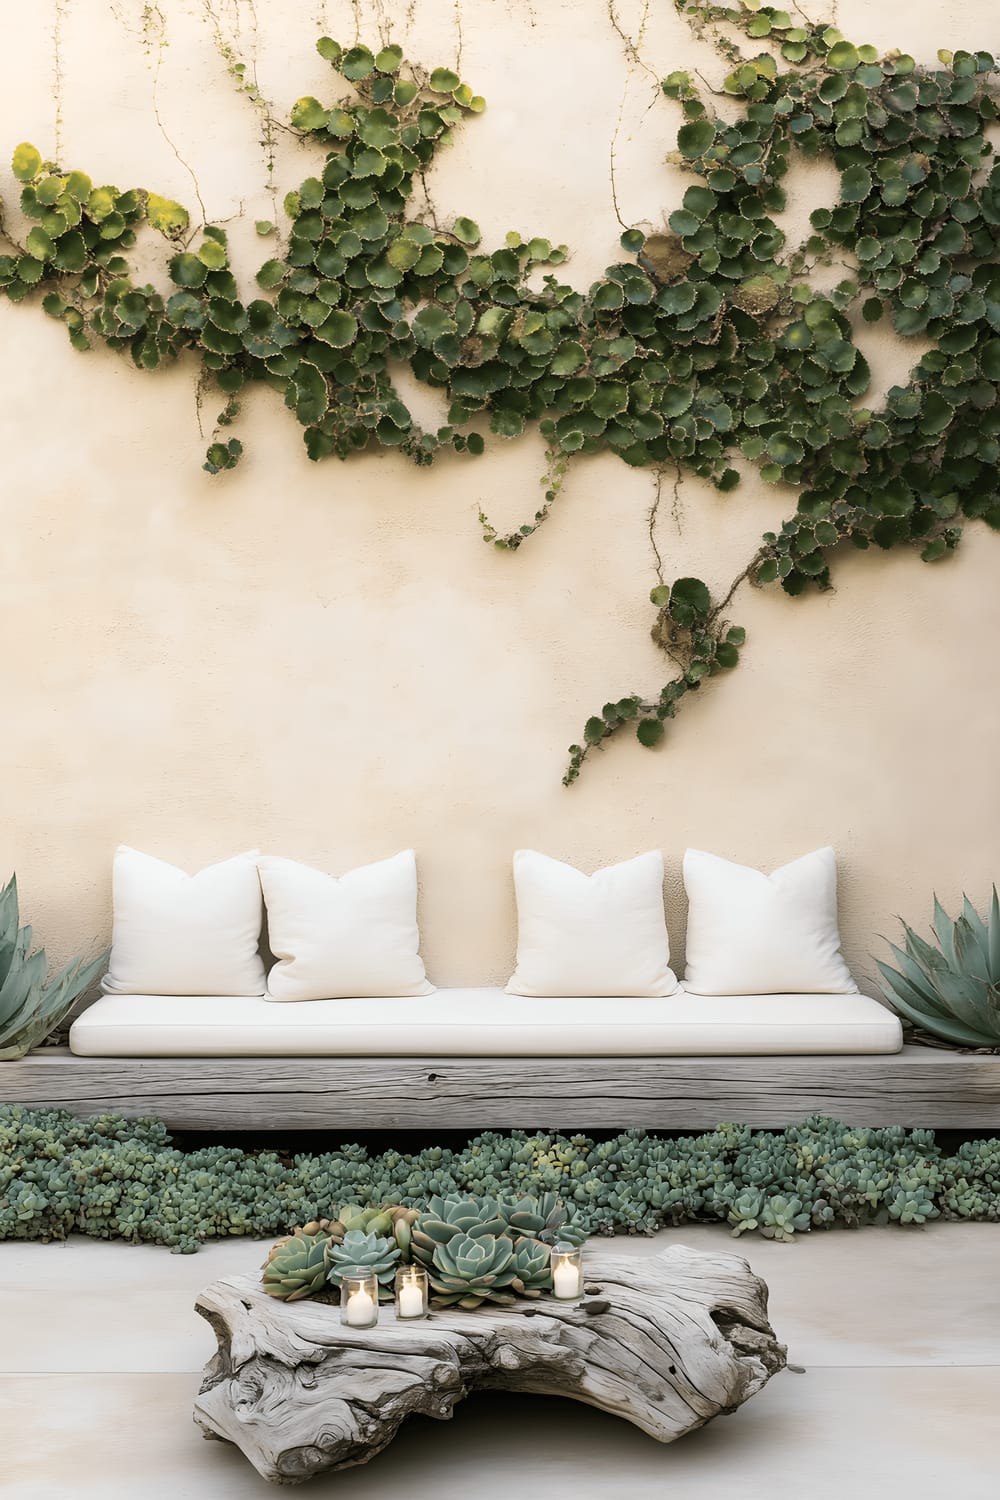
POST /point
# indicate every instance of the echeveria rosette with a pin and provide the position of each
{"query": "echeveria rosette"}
(390, 1219)
(543, 1218)
(533, 1268)
(470, 1270)
(297, 1267)
(453, 1215)
(368, 1252)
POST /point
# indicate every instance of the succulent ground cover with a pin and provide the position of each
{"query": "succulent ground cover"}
(706, 349)
(122, 1179)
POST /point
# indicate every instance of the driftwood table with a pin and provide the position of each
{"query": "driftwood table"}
(667, 1342)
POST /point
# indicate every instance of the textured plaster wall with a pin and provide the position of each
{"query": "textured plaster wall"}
(326, 660)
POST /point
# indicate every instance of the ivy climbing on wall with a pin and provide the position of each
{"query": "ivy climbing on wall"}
(706, 348)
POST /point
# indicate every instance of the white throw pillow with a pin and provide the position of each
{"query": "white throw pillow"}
(600, 934)
(755, 934)
(347, 938)
(180, 934)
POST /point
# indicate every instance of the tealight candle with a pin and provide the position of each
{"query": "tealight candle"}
(359, 1298)
(411, 1292)
(567, 1272)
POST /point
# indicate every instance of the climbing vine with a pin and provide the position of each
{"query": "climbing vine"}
(706, 349)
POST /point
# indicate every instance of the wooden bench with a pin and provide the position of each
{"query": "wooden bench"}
(919, 1086)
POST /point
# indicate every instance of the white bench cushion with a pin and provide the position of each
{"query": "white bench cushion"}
(483, 1023)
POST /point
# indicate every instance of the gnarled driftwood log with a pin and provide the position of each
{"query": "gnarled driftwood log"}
(667, 1342)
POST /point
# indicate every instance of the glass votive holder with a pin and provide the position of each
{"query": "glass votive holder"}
(411, 1292)
(358, 1298)
(567, 1272)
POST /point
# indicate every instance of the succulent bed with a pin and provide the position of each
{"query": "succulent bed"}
(114, 1178)
(474, 1250)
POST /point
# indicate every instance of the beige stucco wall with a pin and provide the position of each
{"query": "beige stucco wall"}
(326, 660)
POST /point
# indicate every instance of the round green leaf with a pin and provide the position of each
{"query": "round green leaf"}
(71, 252)
(26, 162)
(633, 240)
(692, 593)
(357, 63)
(444, 81)
(684, 223)
(784, 449)
(213, 255)
(102, 203)
(608, 296)
(270, 273)
(695, 138)
(339, 330)
(843, 56)
(163, 214)
(466, 230)
(389, 59)
(568, 357)
(855, 184)
(308, 114)
(188, 270)
(649, 732)
(329, 49)
(39, 245)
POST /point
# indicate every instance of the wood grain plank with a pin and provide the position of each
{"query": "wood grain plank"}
(919, 1086)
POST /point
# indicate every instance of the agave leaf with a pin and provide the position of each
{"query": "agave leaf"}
(907, 997)
(971, 1000)
(21, 980)
(994, 937)
(927, 956)
(79, 976)
(969, 955)
(978, 926)
(944, 931)
(8, 925)
(931, 1020)
(924, 993)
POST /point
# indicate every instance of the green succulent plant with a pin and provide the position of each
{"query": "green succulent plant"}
(368, 1252)
(469, 1270)
(543, 1218)
(446, 1217)
(30, 1007)
(532, 1267)
(297, 1267)
(952, 990)
(113, 1178)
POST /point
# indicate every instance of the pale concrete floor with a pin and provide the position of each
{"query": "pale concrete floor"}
(898, 1331)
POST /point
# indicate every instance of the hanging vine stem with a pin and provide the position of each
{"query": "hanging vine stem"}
(653, 516)
(154, 29)
(62, 8)
(632, 45)
(556, 467)
(244, 75)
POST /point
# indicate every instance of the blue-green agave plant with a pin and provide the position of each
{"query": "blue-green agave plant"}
(952, 990)
(29, 1007)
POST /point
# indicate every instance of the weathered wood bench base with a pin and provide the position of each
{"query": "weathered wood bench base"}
(919, 1086)
(667, 1342)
